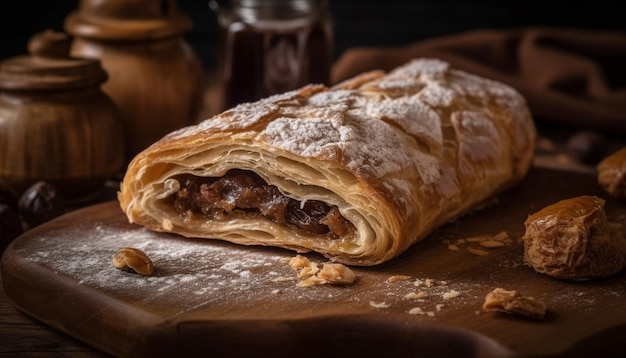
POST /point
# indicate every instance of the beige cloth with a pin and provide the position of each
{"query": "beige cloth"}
(570, 76)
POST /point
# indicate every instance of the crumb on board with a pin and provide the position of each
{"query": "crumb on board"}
(453, 247)
(396, 278)
(451, 294)
(379, 304)
(477, 252)
(310, 274)
(283, 279)
(477, 244)
(428, 282)
(416, 295)
(420, 311)
(511, 301)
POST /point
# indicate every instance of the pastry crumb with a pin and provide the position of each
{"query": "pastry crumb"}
(414, 295)
(310, 274)
(511, 301)
(420, 311)
(397, 278)
(283, 279)
(428, 282)
(480, 242)
(335, 273)
(453, 247)
(299, 262)
(490, 244)
(451, 294)
(379, 305)
(166, 224)
(477, 252)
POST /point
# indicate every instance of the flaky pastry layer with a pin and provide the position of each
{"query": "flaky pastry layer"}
(399, 154)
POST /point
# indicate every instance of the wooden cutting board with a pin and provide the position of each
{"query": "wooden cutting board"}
(213, 298)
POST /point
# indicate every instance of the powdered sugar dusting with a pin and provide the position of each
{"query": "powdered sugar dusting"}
(352, 118)
(214, 282)
(437, 95)
(414, 117)
(483, 133)
(180, 264)
(242, 116)
(433, 68)
(332, 97)
(363, 128)
(318, 132)
(190, 274)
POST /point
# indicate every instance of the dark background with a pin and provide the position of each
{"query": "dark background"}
(357, 22)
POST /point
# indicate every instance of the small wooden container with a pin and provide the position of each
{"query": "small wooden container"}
(56, 124)
(156, 79)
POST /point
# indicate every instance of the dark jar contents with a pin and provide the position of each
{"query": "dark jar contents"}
(268, 47)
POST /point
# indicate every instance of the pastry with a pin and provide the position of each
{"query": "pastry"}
(357, 172)
(572, 239)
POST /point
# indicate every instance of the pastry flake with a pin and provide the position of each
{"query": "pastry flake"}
(511, 301)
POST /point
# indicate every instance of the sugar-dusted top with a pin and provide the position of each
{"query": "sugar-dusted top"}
(413, 102)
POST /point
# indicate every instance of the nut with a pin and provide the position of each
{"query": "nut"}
(128, 258)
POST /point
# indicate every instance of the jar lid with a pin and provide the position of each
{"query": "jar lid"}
(48, 66)
(127, 20)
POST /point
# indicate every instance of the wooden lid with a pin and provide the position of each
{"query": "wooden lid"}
(49, 66)
(127, 20)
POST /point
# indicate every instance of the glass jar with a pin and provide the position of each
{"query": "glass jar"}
(267, 47)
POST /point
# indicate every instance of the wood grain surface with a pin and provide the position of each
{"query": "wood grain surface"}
(215, 298)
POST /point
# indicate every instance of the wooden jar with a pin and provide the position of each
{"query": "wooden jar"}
(156, 79)
(56, 124)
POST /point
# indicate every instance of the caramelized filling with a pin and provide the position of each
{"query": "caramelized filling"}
(245, 191)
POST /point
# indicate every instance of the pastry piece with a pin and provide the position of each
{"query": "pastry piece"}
(572, 239)
(358, 172)
(612, 174)
(330, 273)
(510, 301)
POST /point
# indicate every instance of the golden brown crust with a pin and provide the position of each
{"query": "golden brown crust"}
(399, 154)
(572, 239)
